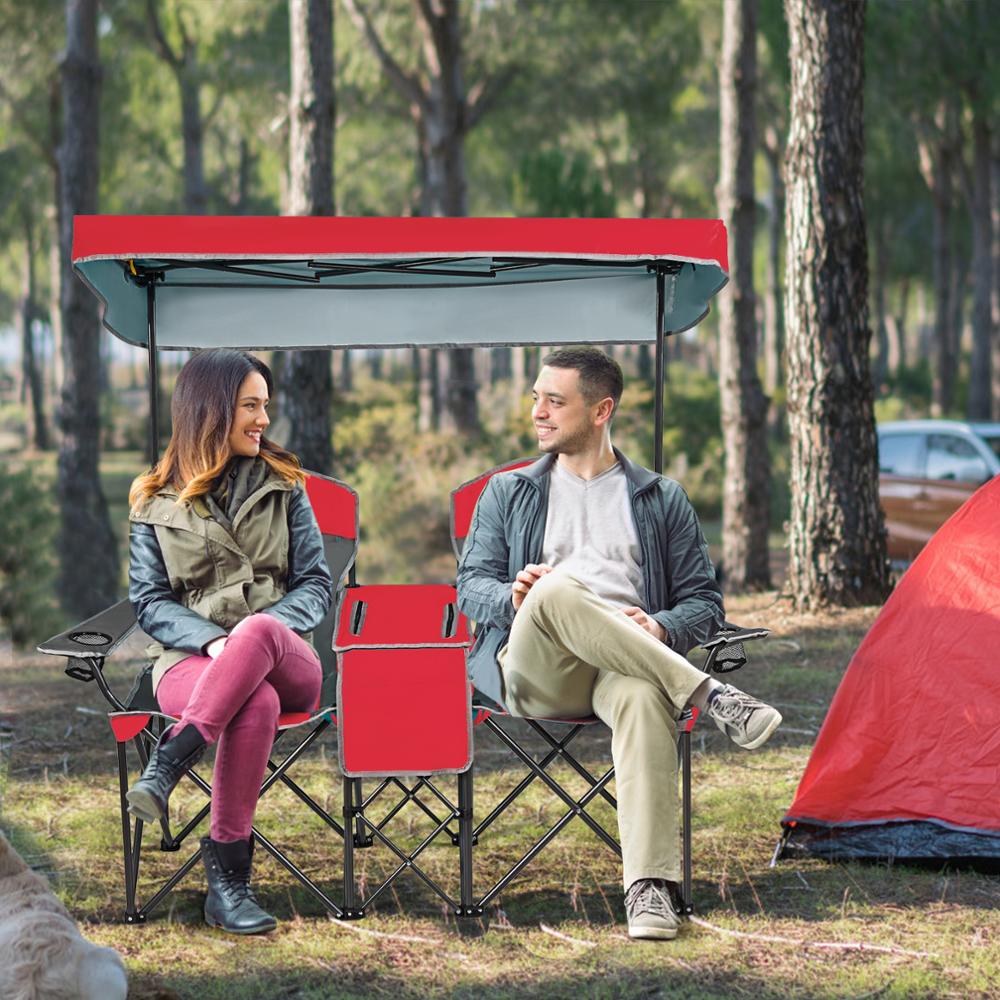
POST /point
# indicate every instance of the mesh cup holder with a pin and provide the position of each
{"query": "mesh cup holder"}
(90, 638)
(729, 658)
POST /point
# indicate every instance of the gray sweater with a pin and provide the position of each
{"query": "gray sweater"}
(590, 534)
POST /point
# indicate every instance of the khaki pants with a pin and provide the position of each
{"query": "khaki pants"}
(571, 654)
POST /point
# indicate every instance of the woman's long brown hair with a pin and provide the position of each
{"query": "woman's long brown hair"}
(202, 411)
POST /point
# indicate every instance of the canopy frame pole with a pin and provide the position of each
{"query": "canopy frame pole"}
(154, 377)
(658, 404)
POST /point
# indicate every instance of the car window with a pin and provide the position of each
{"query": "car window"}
(901, 454)
(952, 457)
(993, 441)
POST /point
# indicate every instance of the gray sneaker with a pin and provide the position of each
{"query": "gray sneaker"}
(745, 720)
(650, 912)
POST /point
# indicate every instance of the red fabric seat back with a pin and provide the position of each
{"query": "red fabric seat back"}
(335, 505)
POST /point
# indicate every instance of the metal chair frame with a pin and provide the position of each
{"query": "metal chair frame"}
(138, 721)
(414, 629)
(724, 653)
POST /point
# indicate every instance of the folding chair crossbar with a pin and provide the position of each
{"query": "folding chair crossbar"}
(558, 750)
(356, 807)
(132, 831)
(410, 795)
(576, 806)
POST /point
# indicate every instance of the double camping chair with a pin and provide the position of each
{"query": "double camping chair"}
(395, 686)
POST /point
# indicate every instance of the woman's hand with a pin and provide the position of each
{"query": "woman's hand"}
(215, 646)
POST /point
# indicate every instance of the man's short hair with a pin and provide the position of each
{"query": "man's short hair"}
(600, 376)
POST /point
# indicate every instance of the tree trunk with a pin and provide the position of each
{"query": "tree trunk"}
(460, 403)
(945, 336)
(311, 108)
(880, 275)
(88, 560)
(243, 178)
(183, 64)
(980, 384)
(32, 382)
(935, 148)
(193, 130)
(443, 117)
(995, 217)
(837, 538)
(773, 318)
(346, 382)
(896, 324)
(442, 135)
(746, 482)
(500, 364)
(308, 389)
(429, 390)
(58, 373)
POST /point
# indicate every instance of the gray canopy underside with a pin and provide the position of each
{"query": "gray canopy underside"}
(478, 302)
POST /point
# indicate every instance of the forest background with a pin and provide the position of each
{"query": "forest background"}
(486, 108)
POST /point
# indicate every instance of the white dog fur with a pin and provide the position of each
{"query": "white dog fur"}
(42, 954)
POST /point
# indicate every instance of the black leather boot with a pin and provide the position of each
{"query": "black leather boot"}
(231, 903)
(169, 761)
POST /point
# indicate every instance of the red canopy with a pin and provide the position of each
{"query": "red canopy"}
(907, 763)
(295, 237)
(319, 282)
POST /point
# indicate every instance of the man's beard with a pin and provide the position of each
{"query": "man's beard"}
(569, 445)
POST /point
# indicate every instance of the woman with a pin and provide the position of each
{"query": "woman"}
(227, 575)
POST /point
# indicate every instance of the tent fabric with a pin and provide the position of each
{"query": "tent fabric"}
(907, 763)
(305, 282)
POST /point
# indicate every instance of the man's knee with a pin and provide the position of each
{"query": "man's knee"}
(553, 589)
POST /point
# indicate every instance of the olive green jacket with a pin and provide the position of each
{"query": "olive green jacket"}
(191, 580)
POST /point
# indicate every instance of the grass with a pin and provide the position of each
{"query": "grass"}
(60, 808)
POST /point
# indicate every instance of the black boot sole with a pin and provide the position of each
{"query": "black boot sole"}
(258, 929)
(144, 805)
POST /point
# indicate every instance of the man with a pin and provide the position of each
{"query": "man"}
(589, 580)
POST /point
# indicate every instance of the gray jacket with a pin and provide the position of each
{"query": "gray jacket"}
(191, 580)
(508, 531)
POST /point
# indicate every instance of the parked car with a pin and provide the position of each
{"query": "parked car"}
(927, 470)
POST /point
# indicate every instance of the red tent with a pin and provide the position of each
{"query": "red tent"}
(907, 764)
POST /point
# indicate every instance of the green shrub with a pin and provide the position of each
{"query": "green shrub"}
(28, 608)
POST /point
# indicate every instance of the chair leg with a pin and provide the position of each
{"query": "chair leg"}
(351, 911)
(467, 907)
(686, 892)
(361, 839)
(130, 850)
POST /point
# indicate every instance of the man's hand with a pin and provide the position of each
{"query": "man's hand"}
(651, 625)
(215, 646)
(525, 580)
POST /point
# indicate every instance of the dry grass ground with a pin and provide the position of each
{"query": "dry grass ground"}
(939, 931)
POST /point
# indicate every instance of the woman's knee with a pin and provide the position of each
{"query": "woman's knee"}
(261, 626)
(262, 708)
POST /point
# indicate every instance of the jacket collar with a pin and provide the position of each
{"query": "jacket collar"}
(639, 478)
(162, 508)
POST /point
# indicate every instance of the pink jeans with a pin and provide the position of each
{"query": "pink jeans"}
(263, 670)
